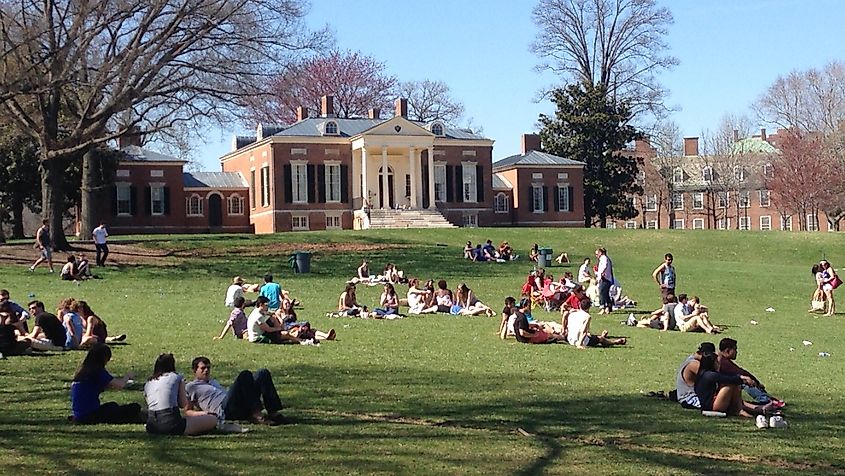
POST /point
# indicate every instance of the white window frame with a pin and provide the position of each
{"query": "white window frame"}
(678, 224)
(157, 197)
(470, 180)
(265, 186)
(611, 225)
(744, 199)
(122, 173)
(723, 199)
(299, 181)
(723, 223)
(470, 220)
(698, 223)
(299, 223)
(786, 223)
(193, 206)
(332, 179)
(765, 222)
(563, 197)
(630, 225)
(334, 221)
(651, 203)
(677, 200)
(698, 200)
(437, 129)
(677, 175)
(812, 222)
(124, 189)
(440, 182)
(235, 205)
(501, 203)
(739, 173)
(768, 171)
(768, 198)
(707, 174)
(330, 128)
(538, 204)
(744, 223)
(651, 224)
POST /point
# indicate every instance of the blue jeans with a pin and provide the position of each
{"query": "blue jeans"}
(758, 395)
(384, 312)
(604, 295)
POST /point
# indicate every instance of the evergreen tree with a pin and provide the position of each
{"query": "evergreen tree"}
(20, 182)
(591, 127)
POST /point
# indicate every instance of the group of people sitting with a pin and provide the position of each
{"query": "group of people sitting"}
(421, 298)
(678, 313)
(711, 381)
(390, 274)
(76, 269)
(488, 253)
(543, 288)
(74, 326)
(273, 319)
(174, 406)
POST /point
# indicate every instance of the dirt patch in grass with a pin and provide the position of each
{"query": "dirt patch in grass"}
(280, 249)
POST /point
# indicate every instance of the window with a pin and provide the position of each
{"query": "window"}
(501, 203)
(194, 206)
(157, 200)
(677, 201)
(722, 198)
(651, 203)
(744, 223)
(408, 185)
(812, 222)
(698, 223)
(563, 198)
(768, 171)
(698, 200)
(333, 222)
(611, 225)
(765, 223)
(124, 199)
(440, 182)
(265, 186)
(470, 187)
(678, 224)
(331, 128)
(630, 225)
(707, 174)
(744, 199)
(651, 225)
(471, 220)
(156, 173)
(252, 188)
(299, 222)
(537, 176)
(785, 223)
(723, 223)
(333, 183)
(677, 175)
(739, 173)
(437, 129)
(299, 182)
(539, 206)
(122, 173)
(236, 205)
(765, 198)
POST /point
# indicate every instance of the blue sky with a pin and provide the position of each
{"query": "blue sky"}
(729, 52)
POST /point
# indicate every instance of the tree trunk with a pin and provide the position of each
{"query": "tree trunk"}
(17, 220)
(53, 201)
(90, 184)
(2, 235)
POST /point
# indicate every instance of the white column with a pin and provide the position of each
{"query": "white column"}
(431, 178)
(385, 199)
(365, 191)
(412, 169)
(356, 171)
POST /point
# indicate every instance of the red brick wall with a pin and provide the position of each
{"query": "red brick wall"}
(523, 204)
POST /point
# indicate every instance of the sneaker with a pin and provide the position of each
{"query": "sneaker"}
(120, 338)
(777, 421)
(31, 268)
(762, 422)
(632, 320)
(229, 427)
(778, 404)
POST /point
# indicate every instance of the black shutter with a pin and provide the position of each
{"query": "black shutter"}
(288, 184)
(148, 201)
(569, 195)
(479, 183)
(113, 200)
(321, 183)
(459, 183)
(545, 198)
(344, 184)
(529, 205)
(310, 180)
(425, 197)
(557, 198)
(450, 192)
(133, 200)
(166, 200)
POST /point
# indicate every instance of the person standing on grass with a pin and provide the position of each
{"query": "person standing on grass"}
(99, 235)
(604, 274)
(89, 382)
(45, 245)
(664, 276)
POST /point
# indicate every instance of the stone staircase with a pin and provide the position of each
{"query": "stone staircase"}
(408, 219)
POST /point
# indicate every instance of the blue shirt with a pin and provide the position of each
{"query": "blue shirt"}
(273, 293)
(85, 394)
(75, 324)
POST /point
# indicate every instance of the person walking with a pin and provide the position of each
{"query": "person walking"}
(99, 235)
(664, 276)
(43, 243)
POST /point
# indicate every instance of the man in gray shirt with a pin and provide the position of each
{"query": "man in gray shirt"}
(242, 401)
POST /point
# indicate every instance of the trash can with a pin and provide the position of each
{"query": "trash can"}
(544, 258)
(303, 262)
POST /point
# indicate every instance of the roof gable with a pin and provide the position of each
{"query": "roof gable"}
(397, 126)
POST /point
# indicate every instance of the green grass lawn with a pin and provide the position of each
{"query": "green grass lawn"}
(442, 394)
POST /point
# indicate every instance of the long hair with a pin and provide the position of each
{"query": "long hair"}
(707, 362)
(164, 363)
(95, 361)
(389, 289)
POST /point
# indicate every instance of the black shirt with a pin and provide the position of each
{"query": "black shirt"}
(707, 384)
(52, 328)
(521, 323)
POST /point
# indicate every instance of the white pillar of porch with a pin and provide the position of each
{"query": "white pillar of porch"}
(385, 198)
(365, 191)
(413, 171)
(431, 197)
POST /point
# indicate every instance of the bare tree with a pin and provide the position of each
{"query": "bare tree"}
(431, 100)
(618, 44)
(812, 101)
(75, 74)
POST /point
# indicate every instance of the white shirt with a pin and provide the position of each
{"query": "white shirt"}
(234, 291)
(681, 312)
(100, 235)
(605, 269)
(574, 323)
(584, 273)
(253, 323)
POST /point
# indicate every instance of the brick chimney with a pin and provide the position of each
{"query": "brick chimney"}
(401, 107)
(327, 106)
(736, 135)
(690, 146)
(301, 113)
(374, 113)
(132, 137)
(763, 134)
(642, 145)
(531, 142)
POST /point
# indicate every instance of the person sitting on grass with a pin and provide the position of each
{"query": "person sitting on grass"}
(727, 355)
(663, 317)
(48, 333)
(490, 251)
(721, 392)
(584, 275)
(286, 316)
(531, 333)
(70, 271)
(444, 297)
(469, 251)
(83, 270)
(687, 375)
(90, 380)
(534, 254)
(470, 304)
(9, 332)
(95, 328)
(418, 297)
(478, 254)
(562, 258)
(16, 314)
(506, 252)
(237, 320)
(241, 401)
(74, 328)
(388, 303)
(619, 299)
(689, 317)
(236, 290)
(273, 292)
(165, 395)
(262, 329)
(577, 326)
(508, 318)
(347, 304)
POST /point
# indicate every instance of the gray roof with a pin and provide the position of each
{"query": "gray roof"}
(351, 127)
(499, 183)
(213, 180)
(535, 157)
(135, 153)
(242, 141)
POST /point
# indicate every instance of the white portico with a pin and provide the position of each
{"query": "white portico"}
(387, 165)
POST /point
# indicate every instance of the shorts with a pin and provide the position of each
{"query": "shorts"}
(686, 326)
(827, 287)
(47, 253)
(539, 337)
(67, 277)
(591, 341)
(443, 309)
(166, 422)
(691, 403)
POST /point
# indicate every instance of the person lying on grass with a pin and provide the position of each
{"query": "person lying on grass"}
(166, 399)
(721, 392)
(90, 380)
(237, 289)
(727, 354)
(688, 374)
(577, 325)
(691, 315)
(663, 317)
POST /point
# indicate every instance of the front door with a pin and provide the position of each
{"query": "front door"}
(391, 202)
(215, 211)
